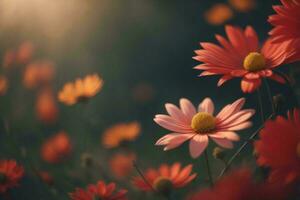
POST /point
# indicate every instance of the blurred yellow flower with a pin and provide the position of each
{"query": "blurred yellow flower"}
(218, 14)
(80, 90)
(243, 5)
(3, 85)
(119, 133)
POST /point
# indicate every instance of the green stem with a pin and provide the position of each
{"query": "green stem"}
(208, 169)
(269, 95)
(260, 105)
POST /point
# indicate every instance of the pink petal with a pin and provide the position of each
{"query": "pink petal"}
(187, 108)
(198, 144)
(231, 108)
(225, 143)
(175, 112)
(250, 85)
(236, 118)
(239, 126)
(172, 126)
(206, 106)
(226, 134)
(174, 139)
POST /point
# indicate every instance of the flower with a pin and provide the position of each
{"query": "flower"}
(218, 14)
(56, 148)
(80, 90)
(279, 148)
(25, 52)
(286, 21)
(198, 126)
(10, 174)
(38, 73)
(243, 5)
(99, 191)
(46, 107)
(238, 185)
(165, 178)
(121, 164)
(115, 135)
(3, 85)
(242, 57)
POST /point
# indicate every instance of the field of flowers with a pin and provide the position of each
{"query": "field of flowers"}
(131, 100)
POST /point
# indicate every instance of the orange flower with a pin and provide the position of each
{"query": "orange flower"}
(243, 5)
(25, 52)
(121, 164)
(239, 185)
(165, 178)
(38, 73)
(45, 177)
(46, 108)
(9, 58)
(218, 14)
(99, 191)
(279, 148)
(3, 85)
(80, 90)
(10, 174)
(56, 148)
(119, 133)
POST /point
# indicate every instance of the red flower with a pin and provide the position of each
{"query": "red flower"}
(45, 177)
(286, 21)
(165, 178)
(238, 185)
(279, 148)
(10, 174)
(99, 191)
(241, 56)
(56, 148)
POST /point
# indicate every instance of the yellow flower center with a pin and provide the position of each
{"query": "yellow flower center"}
(203, 122)
(163, 185)
(298, 150)
(254, 62)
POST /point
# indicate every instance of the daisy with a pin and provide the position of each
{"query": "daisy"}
(279, 148)
(187, 123)
(239, 185)
(286, 21)
(119, 133)
(99, 191)
(241, 56)
(81, 90)
(165, 178)
(10, 174)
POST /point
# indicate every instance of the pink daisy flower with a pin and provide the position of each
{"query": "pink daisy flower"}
(198, 125)
(241, 56)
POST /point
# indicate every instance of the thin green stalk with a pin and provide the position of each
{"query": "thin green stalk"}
(211, 182)
(269, 95)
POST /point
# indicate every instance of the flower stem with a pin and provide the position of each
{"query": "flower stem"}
(239, 150)
(142, 175)
(269, 95)
(208, 168)
(260, 105)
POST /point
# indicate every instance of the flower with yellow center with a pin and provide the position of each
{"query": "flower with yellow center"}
(200, 125)
(81, 90)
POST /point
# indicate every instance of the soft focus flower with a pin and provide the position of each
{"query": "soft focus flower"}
(243, 5)
(279, 148)
(46, 107)
(8, 59)
(80, 90)
(10, 174)
(239, 185)
(165, 178)
(286, 22)
(143, 92)
(3, 85)
(242, 57)
(24, 52)
(218, 14)
(187, 123)
(99, 191)
(38, 73)
(45, 177)
(56, 148)
(121, 164)
(123, 132)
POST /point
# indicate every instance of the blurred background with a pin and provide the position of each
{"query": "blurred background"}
(142, 49)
